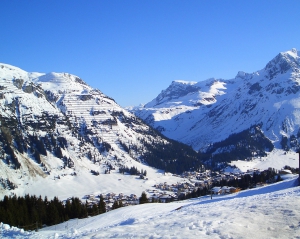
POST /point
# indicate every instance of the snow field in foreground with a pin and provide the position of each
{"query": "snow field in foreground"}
(268, 212)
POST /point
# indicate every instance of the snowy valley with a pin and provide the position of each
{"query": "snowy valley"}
(61, 138)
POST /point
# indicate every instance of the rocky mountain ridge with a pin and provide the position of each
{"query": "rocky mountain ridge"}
(202, 114)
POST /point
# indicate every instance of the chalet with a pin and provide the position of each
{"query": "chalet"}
(109, 195)
(89, 196)
(165, 198)
(227, 190)
(285, 171)
(133, 196)
(216, 190)
(132, 201)
(224, 190)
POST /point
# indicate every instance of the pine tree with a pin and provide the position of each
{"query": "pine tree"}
(68, 209)
(94, 210)
(115, 205)
(83, 209)
(41, 208)
(143, 198)
(102, 205)
(53, 215)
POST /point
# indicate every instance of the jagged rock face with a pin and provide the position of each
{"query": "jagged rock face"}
(212, 110)
(54, 124)
(176, 90)
(283, 62)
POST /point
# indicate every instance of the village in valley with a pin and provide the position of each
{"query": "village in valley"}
(195, 184)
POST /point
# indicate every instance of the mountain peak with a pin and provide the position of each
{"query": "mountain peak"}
(282, 63)
(183, 82)
(62, 82)
(294, 50)
(241, 74)
(177, 89)
(60, 78)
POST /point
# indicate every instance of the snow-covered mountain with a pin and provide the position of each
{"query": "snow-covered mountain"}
(56, 132)
(254, 112)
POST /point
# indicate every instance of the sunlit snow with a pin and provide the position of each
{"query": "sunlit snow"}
(268, 212)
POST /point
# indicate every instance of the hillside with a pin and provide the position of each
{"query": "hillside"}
(267, 212)
(58, 132)
(263, 105)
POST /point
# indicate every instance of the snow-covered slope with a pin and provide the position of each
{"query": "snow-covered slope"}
(266, 212)
(203, 113)
(58, 132)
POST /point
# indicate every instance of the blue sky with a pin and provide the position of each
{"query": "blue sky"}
(131, 50)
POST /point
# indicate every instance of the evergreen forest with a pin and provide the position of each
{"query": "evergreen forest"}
(31, 212)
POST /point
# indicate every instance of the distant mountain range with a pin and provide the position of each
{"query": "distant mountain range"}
(55, 125)
(233, 119)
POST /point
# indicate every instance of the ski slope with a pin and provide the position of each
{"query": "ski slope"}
(272, 211)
